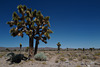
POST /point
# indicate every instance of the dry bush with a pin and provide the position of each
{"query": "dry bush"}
(78, 66)
(70, 58)
(2, 54)
(56, 61)
(62, 59)
(44, 63)
(97, 54)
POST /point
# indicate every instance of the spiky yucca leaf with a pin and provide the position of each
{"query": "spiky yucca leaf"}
(49, 31)
(47, 18)
(27, 32)
(20, 33)
(47, 35)
(15, 15)
(13, 34)
(20, 9)
(30, 10)
(24, 7)
(34, 13)
(12, 30)
(28, 13)
(19, 6)
(42, 27)
(38, 14)
(30, 31)
(30, 35)
(19, 24)
(41, 17)
(10, 23)
(44, 38)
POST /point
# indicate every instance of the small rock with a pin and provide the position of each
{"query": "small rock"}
(82, 63)
(75, 60)
(88, 65)
(92, 63)
(87, 54)
(66, 61)
(69, 63)
(97, 63)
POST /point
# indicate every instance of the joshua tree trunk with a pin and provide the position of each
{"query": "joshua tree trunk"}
(36, 46)
(30, 47)
(58, 49)
(20, 50)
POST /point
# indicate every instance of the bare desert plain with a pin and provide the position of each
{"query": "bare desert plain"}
(70, 58)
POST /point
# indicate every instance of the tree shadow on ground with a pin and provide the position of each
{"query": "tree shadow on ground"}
(16, 58)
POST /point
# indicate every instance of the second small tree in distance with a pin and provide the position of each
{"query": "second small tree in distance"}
(20, 47)
(58, 44)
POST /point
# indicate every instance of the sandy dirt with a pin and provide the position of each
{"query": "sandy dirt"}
(62, 58)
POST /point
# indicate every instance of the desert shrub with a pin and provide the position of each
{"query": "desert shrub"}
(62, 55)
(84, 57)
(56, 61)
(80, 59)
(44, 63)
(97, 54)
(83, 49)
(7, 49)
(90, 57)
(75, 49)
(27, 48)
(78, 66)
(62, 59)
(91, 49)
(79, 48)
(14, 50)
(68, 55)
(70, 58)
(67, 49)
(40, 57)
(95, 57)
(1, 55)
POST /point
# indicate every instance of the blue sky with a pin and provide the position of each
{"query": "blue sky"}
(75, 23)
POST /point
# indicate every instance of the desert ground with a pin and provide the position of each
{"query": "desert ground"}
(71, 58)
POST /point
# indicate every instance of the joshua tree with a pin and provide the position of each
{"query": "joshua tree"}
(7, 49)
(20, 47)
(83, 49)
(91, 49)
(79, 48)
(75, 49)
(67, 49)
(42, 29)
(33, 24)
(22, 24)
(14, 50)
(58, 44)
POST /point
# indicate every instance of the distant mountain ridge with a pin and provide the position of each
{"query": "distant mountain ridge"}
(40, 48)
(23, 48)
